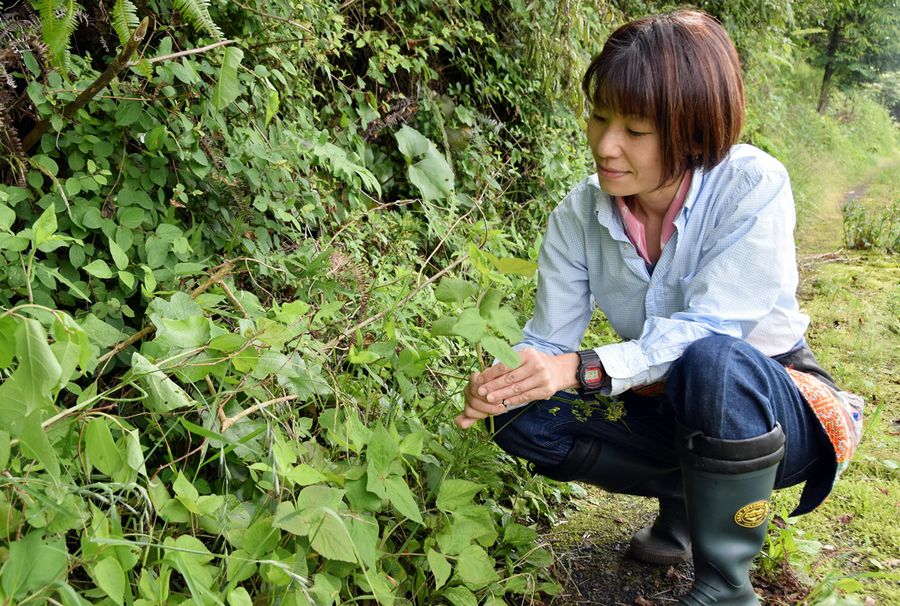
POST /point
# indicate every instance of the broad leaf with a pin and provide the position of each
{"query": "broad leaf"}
(402, 498)
(332, 539)
(411, 142)
(34, 563)
(433, 177)
(504, 322)
(460, 596)
(45, 226)
(470, 325)
(440, 568)
(228, 88)
(501, 350)
(455, 290)
(455, 494)
(111, 579)
(164, 394)
(39, 371)
(100, 448)
(476, 568)
(512, 265)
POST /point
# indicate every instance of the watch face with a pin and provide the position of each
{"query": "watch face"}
(591, 376)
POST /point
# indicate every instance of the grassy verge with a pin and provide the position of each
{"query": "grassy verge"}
(848, 546)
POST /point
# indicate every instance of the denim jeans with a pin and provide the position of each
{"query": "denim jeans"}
(720, 386)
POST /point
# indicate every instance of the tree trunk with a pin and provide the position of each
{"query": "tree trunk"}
(833, 43)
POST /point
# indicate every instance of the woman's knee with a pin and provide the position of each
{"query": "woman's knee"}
(722, 386)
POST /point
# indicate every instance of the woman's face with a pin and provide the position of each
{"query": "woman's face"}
(628, 157)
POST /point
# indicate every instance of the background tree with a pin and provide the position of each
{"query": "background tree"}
(854, 41)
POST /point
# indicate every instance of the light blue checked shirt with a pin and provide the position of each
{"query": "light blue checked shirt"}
(729, 269)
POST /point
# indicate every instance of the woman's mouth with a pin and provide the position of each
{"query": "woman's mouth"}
(610, 173)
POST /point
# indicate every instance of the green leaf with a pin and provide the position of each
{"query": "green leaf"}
(39, 371)
(128, 112)
(34, 443)
(443, 326)
(118, 255)
(433, 177)
(364, 533)
(111, 579)
(382, 451)
(469, 523)
(239, 597)
(44, 227)
(512, 265)
(470, 325)
(411, 142)
(7, 217)
(454, 494)
(501, 350)
(440, 568)
(332, 539)
(402, 498)
(476, 567)
(228, 88)
(489, 302)
(54, 273)
(460, 596)
(431, 174)
(99, 269)
(7, 341)
(164, 394)
(33, 563)
(127, 279)
(361, 357)
(184, 489)
(4, 449)
(100, 448)
(454, 290)
(272, 104)
(504, 322)
(516, 534)
(228, 343)
(124, 19)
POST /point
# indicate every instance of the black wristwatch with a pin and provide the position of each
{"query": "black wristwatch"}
(592, 377)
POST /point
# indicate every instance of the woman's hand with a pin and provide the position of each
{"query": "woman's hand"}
(538, 377)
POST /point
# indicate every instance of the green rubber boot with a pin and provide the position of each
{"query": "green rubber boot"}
(667, 540)
(727, 486)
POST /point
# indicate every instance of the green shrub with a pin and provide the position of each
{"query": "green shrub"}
(872, 229)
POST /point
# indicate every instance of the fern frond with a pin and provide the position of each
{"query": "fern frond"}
(124, 19)
(196, 12)
(58, 24)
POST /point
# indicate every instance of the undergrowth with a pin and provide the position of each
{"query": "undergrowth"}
(244, 276)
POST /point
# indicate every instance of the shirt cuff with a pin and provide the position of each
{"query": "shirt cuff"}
(626, 365)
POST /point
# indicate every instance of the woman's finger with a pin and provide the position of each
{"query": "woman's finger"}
(464, 422)
(514, 393)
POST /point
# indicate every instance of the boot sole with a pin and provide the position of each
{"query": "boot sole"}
(650, 556)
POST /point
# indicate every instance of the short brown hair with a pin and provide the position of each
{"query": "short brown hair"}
(679, 70)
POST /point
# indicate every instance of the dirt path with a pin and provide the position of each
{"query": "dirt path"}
(593, 558)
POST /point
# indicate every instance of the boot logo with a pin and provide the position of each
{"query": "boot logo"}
(752, 514)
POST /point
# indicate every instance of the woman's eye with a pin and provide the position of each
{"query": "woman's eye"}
(637, 133)
(598, 118)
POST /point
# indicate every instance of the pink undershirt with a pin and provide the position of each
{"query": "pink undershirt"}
(634, 229)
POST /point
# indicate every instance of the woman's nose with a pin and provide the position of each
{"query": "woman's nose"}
(608, 143)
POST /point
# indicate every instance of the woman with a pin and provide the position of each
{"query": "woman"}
(685, 240)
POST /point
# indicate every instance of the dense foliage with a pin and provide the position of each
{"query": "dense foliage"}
(243, 281)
